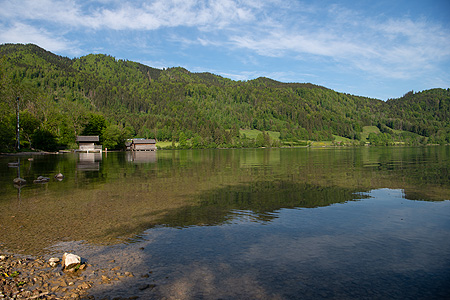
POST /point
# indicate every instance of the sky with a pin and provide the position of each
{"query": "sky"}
(379, 49)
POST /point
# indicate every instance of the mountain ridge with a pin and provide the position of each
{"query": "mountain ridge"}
(167, 103)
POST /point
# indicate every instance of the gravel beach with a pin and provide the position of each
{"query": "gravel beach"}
(24, 277)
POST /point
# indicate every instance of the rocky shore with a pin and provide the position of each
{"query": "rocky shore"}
(40, 278)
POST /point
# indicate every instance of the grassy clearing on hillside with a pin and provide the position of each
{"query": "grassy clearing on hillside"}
(368, 130)
(342, 139)
(253, 133)
(275, 136)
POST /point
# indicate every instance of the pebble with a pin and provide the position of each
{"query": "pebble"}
(53, 262)
(84, 286)
(144, 286)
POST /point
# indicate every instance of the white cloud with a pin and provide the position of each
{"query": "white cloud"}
(24, 34)
(51, 11)
(393, 48)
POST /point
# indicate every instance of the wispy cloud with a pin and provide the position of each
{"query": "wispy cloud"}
(60, 17)
(131, 15)
(401, 48)
(50, 11)
(397, 48)
(24, 34)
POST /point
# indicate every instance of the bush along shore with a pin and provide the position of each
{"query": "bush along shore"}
(54, 278)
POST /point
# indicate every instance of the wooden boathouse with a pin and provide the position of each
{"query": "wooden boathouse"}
(142, 145)
(88, 144)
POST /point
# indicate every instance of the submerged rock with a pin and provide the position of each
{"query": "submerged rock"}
(59, 176)
(41, 179)
(19, 181)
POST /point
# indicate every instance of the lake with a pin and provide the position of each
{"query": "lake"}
(305, 223)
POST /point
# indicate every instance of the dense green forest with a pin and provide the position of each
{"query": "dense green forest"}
(60, 98)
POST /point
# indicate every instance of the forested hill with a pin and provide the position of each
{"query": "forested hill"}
(98, 94)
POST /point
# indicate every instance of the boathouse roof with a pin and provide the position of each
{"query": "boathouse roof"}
(144, 141)
(87, 138)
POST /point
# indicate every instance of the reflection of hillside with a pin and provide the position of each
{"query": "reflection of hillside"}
(256, 157)
(260, 199)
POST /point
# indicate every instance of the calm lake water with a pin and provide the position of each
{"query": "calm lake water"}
(350, 223)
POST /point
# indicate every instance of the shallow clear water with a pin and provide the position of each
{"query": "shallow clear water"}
(243, 224)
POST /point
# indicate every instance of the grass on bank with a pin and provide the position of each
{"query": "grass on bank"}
(275, 136)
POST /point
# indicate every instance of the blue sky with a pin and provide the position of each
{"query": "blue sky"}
(380, 49)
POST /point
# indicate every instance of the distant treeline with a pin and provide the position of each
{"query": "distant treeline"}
(61, 98)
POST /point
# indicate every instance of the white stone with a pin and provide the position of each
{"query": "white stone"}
(70, 261)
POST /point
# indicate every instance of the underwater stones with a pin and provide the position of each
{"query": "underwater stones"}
(41, 179)
(19, 181)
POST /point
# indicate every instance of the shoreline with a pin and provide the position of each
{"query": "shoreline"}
(6, 154)
(32, 277)
(27, 153)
